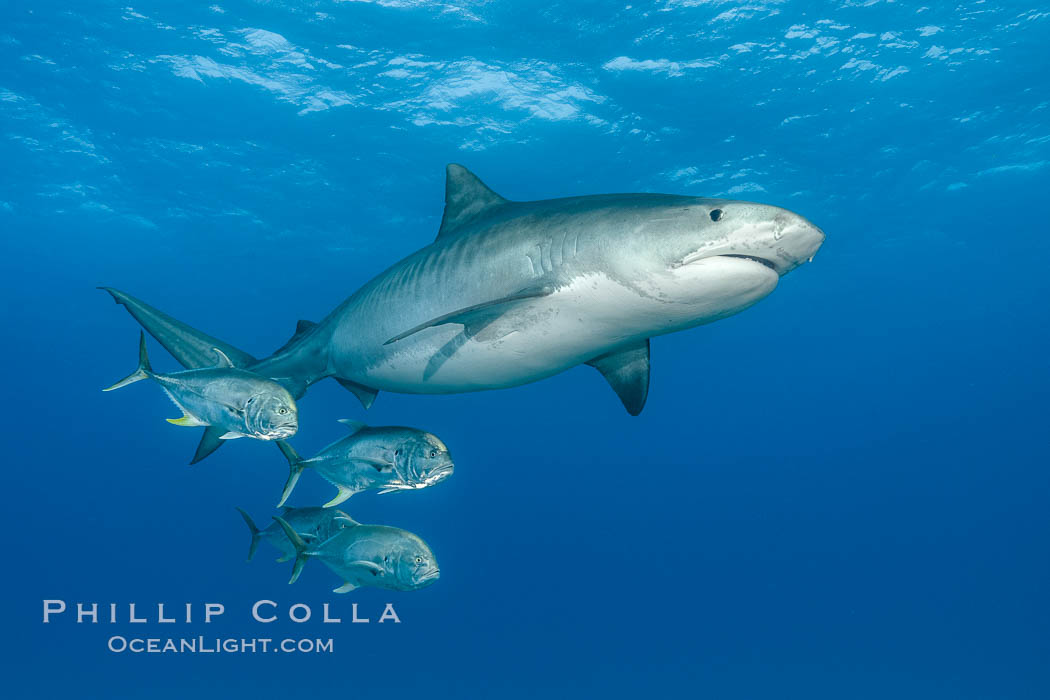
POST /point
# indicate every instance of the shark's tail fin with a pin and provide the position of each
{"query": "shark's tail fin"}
(295, 469)
(300, 547)
(301, 361)
(141, 372)
(192, 348)
(254, 531)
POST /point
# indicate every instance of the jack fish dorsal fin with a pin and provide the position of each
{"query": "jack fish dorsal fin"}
(627, 371)
(466, 199)
(224, 361)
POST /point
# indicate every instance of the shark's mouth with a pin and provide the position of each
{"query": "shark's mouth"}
(761, 261)
(700, 255)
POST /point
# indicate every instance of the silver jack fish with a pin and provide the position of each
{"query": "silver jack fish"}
(369, 555)
(389, 458)
(513, 292)
(228, 402)
(313, 524)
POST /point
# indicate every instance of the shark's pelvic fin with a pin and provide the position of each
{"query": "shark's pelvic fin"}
(363, 393)
(466, 199)
(475, 318)
(189, 346)
(627, 371)
(211, 440)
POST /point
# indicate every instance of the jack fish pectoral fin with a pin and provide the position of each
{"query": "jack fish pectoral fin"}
(369, 566)
(345, 588)
(475, 318)
(232, 435)
(627, 371)
(210, 441)
(380, 465)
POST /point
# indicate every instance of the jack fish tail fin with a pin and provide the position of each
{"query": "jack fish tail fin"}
(295, 469)
(143, 371)
(192, 348)
(300, 547)
(255, 533)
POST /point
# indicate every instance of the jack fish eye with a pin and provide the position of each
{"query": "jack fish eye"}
(716, 215)
(282, 411)
(433, 454)
(419, 560)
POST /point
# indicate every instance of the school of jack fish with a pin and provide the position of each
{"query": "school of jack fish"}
(509, 293)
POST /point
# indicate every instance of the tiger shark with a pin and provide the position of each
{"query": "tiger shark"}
(513, 292)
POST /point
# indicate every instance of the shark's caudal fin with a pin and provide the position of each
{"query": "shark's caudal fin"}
(300, 548)
(141, 372)
(192, 348)
(295, 469)
(254, 531)
(298, 363)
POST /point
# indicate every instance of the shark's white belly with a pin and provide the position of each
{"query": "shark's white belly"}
(586, 318)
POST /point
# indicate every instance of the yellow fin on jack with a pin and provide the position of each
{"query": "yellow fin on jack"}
(344, 493)
(187, 421)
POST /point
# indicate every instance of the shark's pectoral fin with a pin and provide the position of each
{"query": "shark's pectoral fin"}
(210, 441)
(187, 421)
(364, 394)
(475, 318)
(627, 371)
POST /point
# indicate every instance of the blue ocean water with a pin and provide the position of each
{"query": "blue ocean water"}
(839, 493)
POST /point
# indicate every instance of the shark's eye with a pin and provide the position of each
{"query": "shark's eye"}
(716, 215)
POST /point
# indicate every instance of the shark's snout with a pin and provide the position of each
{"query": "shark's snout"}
(797, 241)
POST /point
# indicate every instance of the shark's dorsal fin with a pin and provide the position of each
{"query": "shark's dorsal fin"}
(466, 198)
(302, 327)
(627, 371)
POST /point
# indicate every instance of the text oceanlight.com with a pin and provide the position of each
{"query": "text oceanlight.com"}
(204, 645)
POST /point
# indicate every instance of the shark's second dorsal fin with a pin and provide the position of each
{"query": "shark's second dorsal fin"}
(466, 198)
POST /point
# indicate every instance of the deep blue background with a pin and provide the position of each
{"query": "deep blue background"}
(840, 493)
